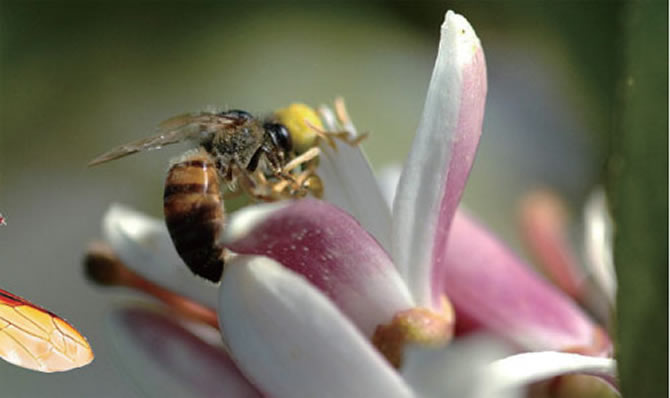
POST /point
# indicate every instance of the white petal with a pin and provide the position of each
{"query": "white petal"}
(598, 237)
(350, 184)
(457, 371)
(522, 369)
(145, 246)
(441, 156)
(291, 341)
(167, 360)
(388, 178)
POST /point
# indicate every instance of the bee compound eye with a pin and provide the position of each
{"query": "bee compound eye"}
(280, 136)
(237, 114)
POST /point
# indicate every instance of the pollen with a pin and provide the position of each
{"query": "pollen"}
(301, 121)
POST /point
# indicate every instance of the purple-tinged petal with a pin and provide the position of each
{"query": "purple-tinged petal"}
(522, 369)
(144, 245)
(329, 248)
(350, 184)
(167, 360)
(490, 285)
(441, 157)
(292, 341)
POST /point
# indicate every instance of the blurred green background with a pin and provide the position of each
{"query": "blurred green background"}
(77, 78)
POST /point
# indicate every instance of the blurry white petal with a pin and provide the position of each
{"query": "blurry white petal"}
(388, 178)
(329, 248)
(350, 184)
(328, 118)
(144, 245)
(598, 237)
(441, 156)
(167, 360)
(522, 369)
(291, 341)
(460, 370)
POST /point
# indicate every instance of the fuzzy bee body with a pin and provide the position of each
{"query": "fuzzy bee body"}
(194, 213)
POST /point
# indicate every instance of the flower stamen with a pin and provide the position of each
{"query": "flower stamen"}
(104, 268)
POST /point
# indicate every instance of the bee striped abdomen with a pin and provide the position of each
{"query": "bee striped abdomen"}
(194, 214)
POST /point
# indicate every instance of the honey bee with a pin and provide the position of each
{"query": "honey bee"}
(238, 143)
(261, 158)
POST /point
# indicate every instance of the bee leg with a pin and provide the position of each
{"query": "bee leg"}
(348, 136)
(277, 187)
(330, 136)
(341, 112)
(303, 158)
(280, 189)
(314, 185)
(323, 135)
(308, 182)
(248, 184)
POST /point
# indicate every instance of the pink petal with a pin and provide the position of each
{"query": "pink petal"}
(544, 221)
(292, 341)
(329, 248)
(441, 156)
(167, 360)
(488, 284)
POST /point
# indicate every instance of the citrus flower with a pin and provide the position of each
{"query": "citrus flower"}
(343, 297)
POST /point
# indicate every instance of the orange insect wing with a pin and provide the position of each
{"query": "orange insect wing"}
(34, 338)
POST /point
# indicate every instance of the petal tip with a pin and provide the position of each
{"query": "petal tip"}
(456, 30)
(116, 217)
(123, 221)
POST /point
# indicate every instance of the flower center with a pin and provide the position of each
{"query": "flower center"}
(421, 326)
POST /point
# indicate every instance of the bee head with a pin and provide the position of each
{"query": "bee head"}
(279, 135)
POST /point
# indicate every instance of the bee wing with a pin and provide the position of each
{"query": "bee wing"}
(171, 131)
(34, 338)
(185, 119)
